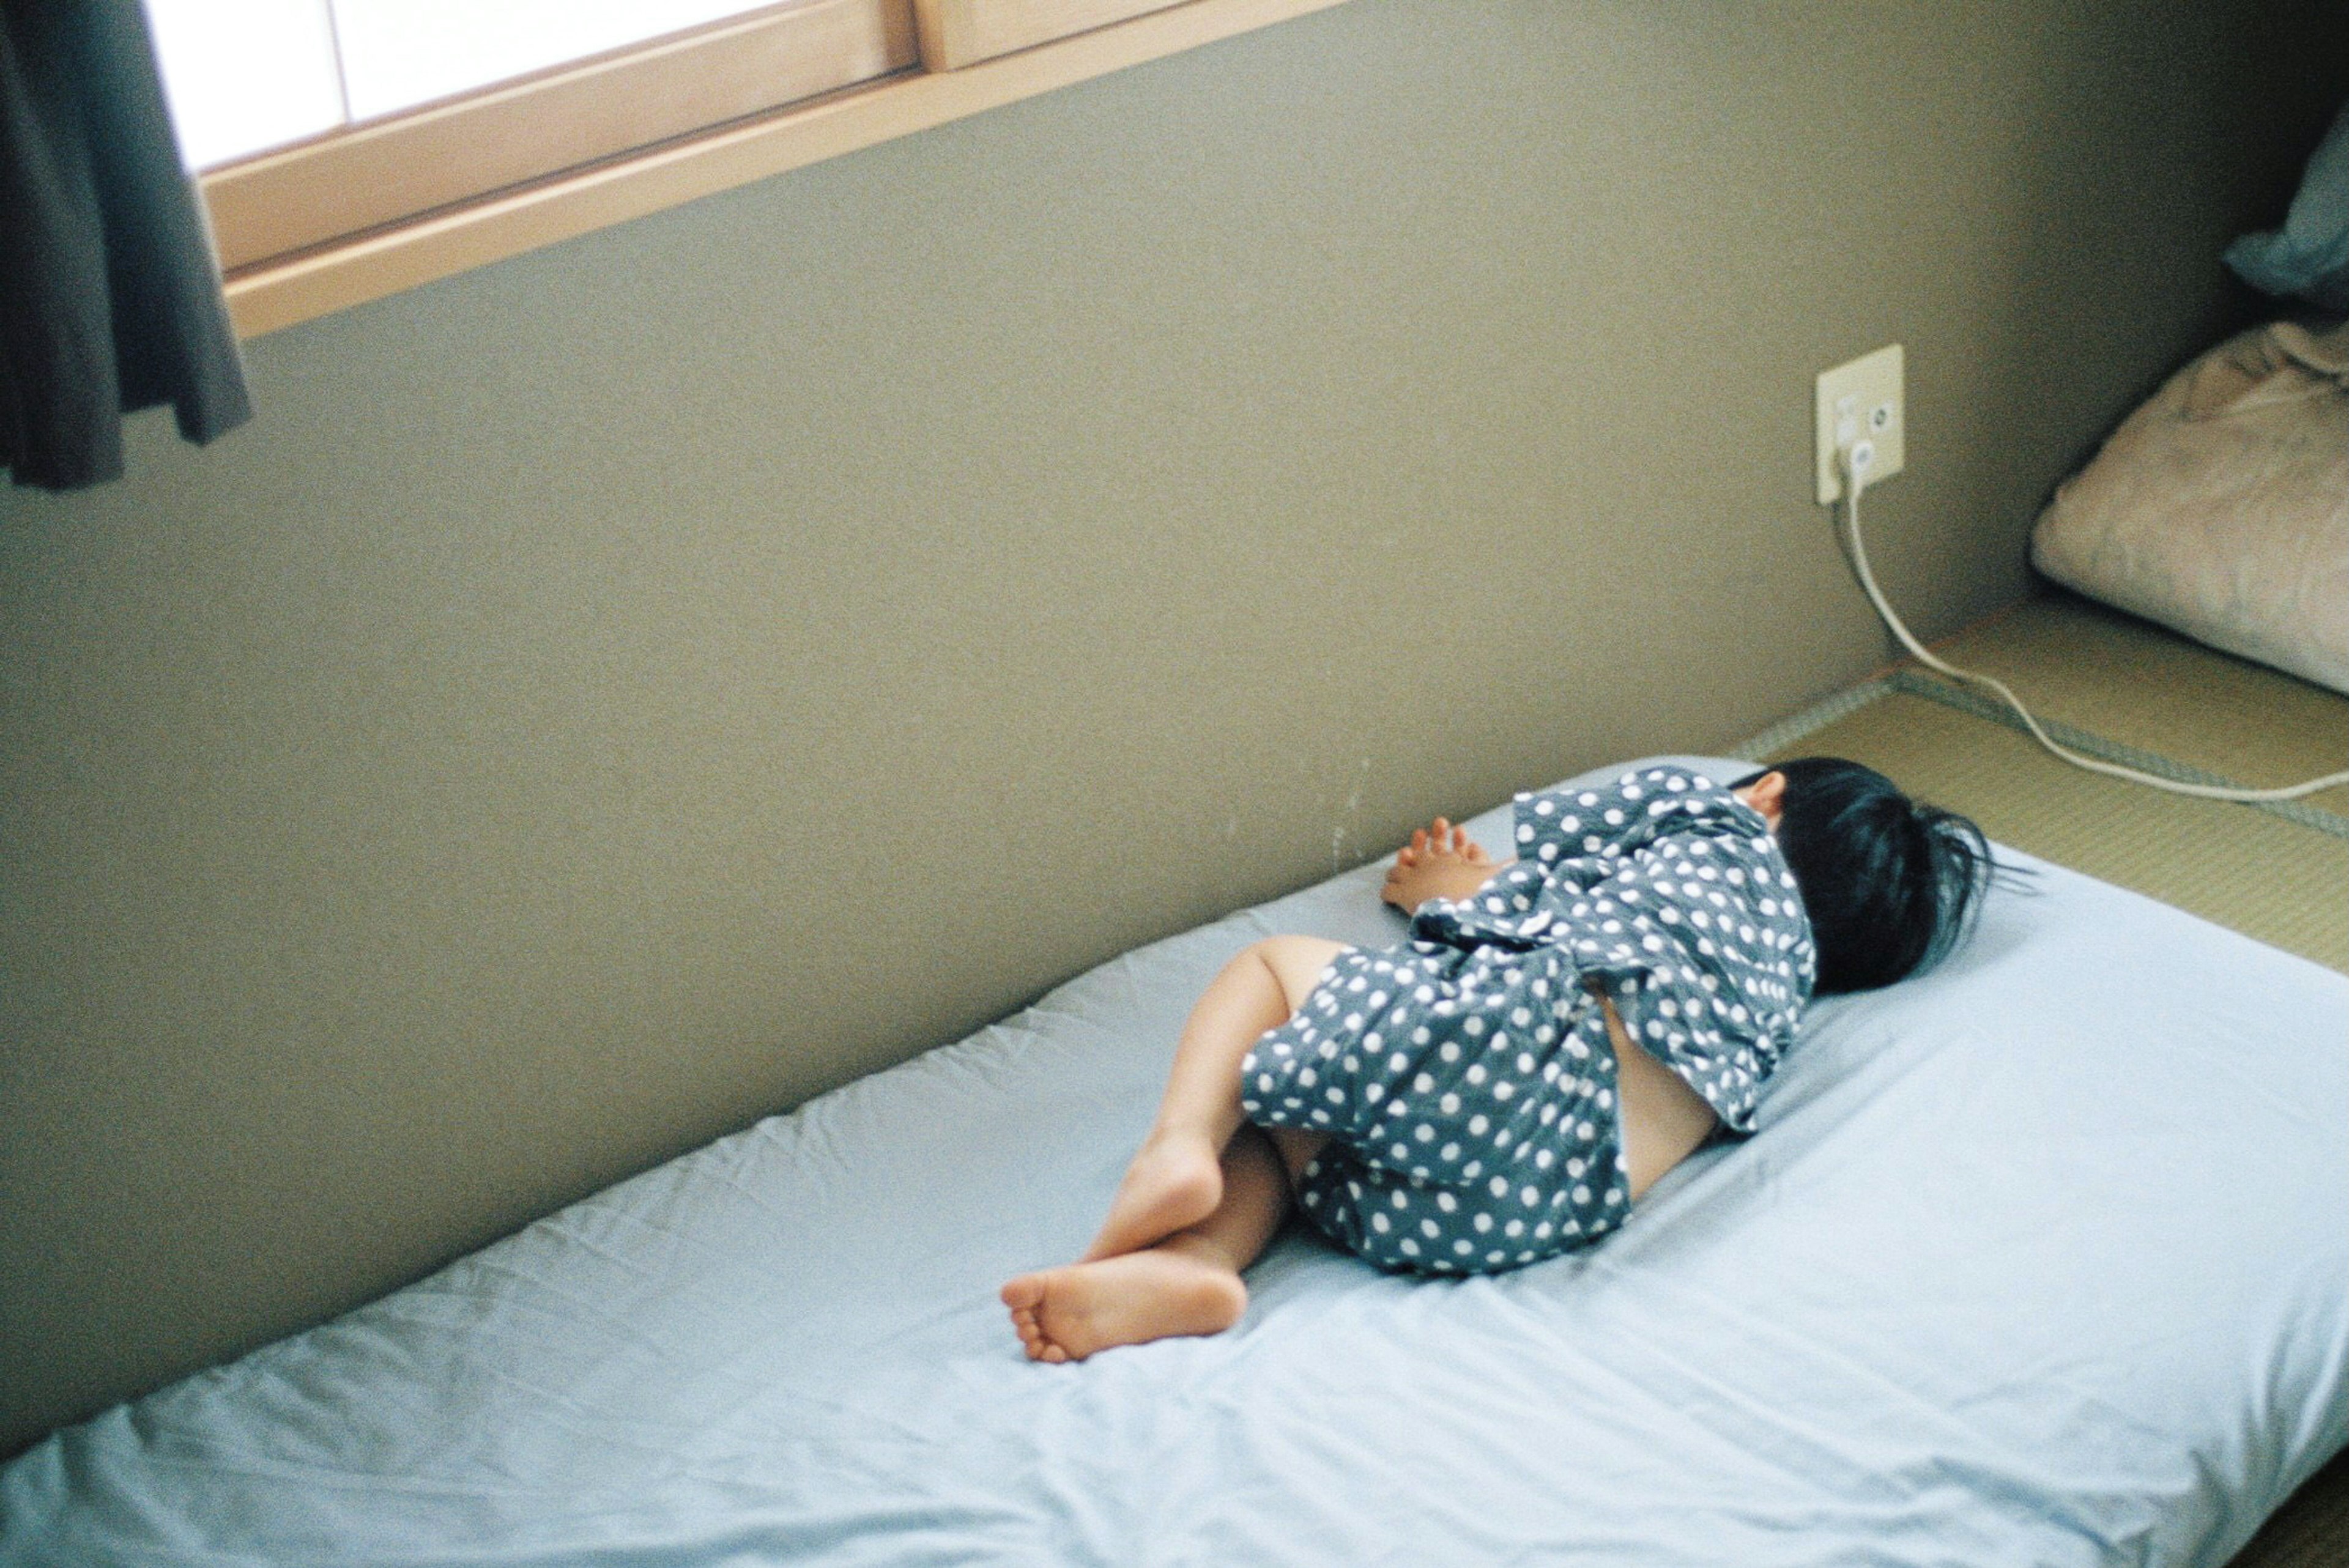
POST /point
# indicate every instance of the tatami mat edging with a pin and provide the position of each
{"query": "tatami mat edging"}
(1818, 716)
(1915, 683)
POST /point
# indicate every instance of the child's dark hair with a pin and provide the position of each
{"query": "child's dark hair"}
(1889, 883)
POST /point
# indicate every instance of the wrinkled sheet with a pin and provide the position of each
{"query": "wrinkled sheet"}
(2038, 1259)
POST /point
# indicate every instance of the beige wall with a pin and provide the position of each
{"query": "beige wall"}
(614, 695)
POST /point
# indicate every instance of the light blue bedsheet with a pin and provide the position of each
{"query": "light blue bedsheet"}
(2041, 1259)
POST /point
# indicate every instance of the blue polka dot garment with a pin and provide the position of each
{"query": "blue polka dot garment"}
(1466, 1079)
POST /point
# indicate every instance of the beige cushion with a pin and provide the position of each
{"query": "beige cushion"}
(2221, 507)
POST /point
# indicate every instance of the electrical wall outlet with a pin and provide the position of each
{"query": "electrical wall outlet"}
(1863, 400)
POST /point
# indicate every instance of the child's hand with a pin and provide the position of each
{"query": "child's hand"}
(1440, 861)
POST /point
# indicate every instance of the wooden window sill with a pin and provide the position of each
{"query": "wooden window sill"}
(283, 290)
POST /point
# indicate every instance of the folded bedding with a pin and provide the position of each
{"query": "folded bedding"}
(2220, 508)
(2037, 1258)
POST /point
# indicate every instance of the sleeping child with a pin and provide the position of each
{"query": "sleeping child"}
(1557, 1032)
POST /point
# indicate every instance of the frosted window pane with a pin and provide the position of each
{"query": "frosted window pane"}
(245, 75)
(398, 54)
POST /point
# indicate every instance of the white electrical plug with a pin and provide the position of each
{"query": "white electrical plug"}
(1860, 401)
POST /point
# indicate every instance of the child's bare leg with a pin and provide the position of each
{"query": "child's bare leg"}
(1189, 1282)
(1177, 1180)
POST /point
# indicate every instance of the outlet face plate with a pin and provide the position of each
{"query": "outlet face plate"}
(1870, 392)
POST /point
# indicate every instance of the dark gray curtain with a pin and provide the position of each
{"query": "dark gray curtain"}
(110, 297)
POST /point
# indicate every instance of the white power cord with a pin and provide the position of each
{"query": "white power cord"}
(1856, 459)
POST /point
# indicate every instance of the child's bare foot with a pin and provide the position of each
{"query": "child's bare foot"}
(1068, 1313)
(1175, 1182)
(1440, 862)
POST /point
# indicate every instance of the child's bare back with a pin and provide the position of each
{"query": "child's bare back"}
(1664, 1121)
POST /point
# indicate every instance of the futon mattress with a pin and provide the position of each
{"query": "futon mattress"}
(2037, 1259)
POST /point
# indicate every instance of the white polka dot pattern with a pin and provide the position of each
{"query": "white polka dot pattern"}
(1465, 1077)
(1672, 894)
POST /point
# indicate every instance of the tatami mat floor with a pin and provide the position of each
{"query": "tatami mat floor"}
(2134, 693)
(2116, 675)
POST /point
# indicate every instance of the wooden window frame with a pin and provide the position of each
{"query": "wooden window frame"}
(959, 33)
(360, 214)
(402, 167)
